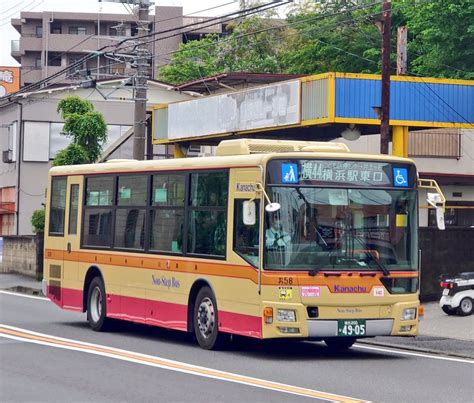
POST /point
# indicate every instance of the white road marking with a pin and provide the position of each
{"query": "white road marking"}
(16, 294)
(398, 350)
(392, 350)
(28, 336)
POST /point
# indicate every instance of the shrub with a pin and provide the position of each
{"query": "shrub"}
(37, 220)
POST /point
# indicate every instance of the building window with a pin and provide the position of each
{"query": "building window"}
(39, 31)
(38, 62)
(56, 29)
(57, 206)
(36, 141)
(54, 59)
(77, 31)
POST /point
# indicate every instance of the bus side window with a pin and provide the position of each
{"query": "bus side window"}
(246, 237)
(57, 206)
(73, 209)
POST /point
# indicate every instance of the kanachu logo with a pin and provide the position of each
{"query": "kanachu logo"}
(349, 290)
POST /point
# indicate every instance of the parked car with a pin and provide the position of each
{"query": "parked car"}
(458, 294)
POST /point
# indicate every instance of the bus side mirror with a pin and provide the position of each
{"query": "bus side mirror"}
(433, 199)
(249, 213)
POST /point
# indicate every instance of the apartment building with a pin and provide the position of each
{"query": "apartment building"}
(51, 41)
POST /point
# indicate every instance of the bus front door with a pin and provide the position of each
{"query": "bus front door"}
(72, 281)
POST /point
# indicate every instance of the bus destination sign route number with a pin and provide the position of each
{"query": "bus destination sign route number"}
(351, 172)
(351, 327)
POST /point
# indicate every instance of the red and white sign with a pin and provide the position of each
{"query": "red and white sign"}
(378, 291)
(310, 291)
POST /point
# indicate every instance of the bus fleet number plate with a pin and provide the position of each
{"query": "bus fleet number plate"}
(351, 327)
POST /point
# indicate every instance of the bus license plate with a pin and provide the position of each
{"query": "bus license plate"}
(351, 327)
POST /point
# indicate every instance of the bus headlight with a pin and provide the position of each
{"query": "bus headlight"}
(286, 315)
(409, 314)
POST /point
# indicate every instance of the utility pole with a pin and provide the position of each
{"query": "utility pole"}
(142, 56)
(385, 110)
(401, 51)
(400, 133)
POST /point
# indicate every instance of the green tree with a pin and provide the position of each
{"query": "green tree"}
(193, 60)
(86, 127)
(332, 37)
(336, 35)
(253, 46)
(441, 36)
(250, 47)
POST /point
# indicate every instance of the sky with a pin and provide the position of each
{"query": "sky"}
(11, 9)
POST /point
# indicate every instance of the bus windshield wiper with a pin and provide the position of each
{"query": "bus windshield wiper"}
(371, 257)
(381, 266)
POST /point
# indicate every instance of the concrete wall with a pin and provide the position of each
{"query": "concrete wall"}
(23, 255)
(444, 252)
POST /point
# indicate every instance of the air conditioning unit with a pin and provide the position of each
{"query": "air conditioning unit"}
(7, 156)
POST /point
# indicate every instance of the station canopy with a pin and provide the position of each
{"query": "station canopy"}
(318, 107)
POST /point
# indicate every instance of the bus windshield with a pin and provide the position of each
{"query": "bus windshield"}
(341, 229)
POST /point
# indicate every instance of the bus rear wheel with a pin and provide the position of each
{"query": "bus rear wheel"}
(206, 320)
(96, 305)
(340, 343)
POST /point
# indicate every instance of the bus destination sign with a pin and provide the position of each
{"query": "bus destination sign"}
(354, 172)
(334, 172)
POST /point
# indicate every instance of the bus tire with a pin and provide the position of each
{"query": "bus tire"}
(340, 343)
(465, 307)
(205, 318)
(96, 305)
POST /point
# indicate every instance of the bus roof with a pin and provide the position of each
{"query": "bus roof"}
(234, 153)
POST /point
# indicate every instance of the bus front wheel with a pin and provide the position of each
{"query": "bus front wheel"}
(96, 305)
(340, 343)
(206, 319)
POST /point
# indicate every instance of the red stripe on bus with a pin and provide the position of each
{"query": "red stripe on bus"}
(237, 323)
(157, 313)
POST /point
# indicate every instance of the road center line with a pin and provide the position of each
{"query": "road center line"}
(15, 333)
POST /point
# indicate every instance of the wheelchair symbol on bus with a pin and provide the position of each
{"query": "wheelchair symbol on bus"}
(400, 177)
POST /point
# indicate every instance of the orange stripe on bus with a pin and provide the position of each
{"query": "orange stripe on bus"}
(228, 270)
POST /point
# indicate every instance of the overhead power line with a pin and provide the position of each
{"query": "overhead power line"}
(79, 62)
